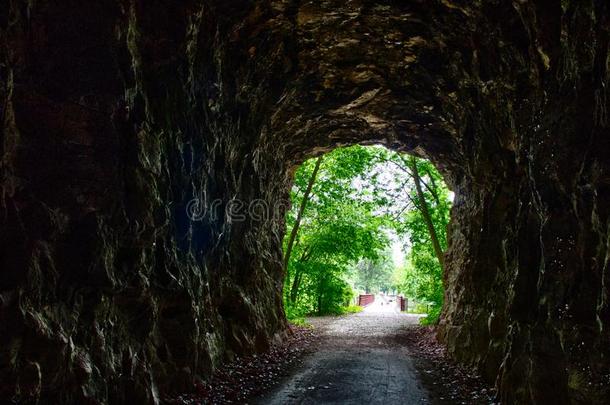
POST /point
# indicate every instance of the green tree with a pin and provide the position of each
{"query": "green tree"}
(343, 206)
(420, 207)
(374, 275)
(333, 225)
(425, 224)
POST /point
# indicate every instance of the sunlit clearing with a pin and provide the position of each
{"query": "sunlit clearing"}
(364, 220)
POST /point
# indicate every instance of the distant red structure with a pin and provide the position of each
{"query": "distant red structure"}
(403, 303)
(365, 299)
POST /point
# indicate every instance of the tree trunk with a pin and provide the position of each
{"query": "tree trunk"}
(423, 207)
(295, 285)
(297, 222)
(320, 297)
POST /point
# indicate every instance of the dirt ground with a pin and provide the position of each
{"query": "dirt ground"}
(377, 356)
(445, 380)
(357, 362)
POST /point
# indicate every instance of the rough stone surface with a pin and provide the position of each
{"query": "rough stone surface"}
(115, 114)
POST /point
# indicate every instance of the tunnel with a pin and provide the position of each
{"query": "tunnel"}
(116, 115)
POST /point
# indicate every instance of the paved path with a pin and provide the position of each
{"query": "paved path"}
(359, 362)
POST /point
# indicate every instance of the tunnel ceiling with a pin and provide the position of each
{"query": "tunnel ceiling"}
(369, 72)
(116, 115)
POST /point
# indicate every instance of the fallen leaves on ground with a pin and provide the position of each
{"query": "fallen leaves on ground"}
(247, 377)
(447, 381)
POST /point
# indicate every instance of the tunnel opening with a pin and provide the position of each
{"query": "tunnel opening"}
(365, 220)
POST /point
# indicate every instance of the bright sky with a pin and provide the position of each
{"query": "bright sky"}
(387, 176)
(397, 254)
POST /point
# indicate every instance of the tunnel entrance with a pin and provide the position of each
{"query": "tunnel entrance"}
(365, 220)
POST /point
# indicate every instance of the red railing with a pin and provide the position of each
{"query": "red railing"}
(365, 299)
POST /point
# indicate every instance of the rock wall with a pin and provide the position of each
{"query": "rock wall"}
(114, 117)
(121, 120)
(527, 291)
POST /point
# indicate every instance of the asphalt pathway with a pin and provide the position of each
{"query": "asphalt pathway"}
(359, 362)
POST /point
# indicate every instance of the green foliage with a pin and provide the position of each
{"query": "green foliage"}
(423, 274)
(433, 315)
(352, 309)
(374, 275)
(295, 314)
(299, 322)
(338, 228)
(359, 197)
(420, 308)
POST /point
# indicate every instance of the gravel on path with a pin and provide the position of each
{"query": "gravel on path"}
(358, 361)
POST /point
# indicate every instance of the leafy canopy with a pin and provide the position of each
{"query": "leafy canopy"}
(358, 197)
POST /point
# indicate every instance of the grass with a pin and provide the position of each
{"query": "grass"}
(297, 318)
(432, 316)
(298, 321)
(351, 309)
